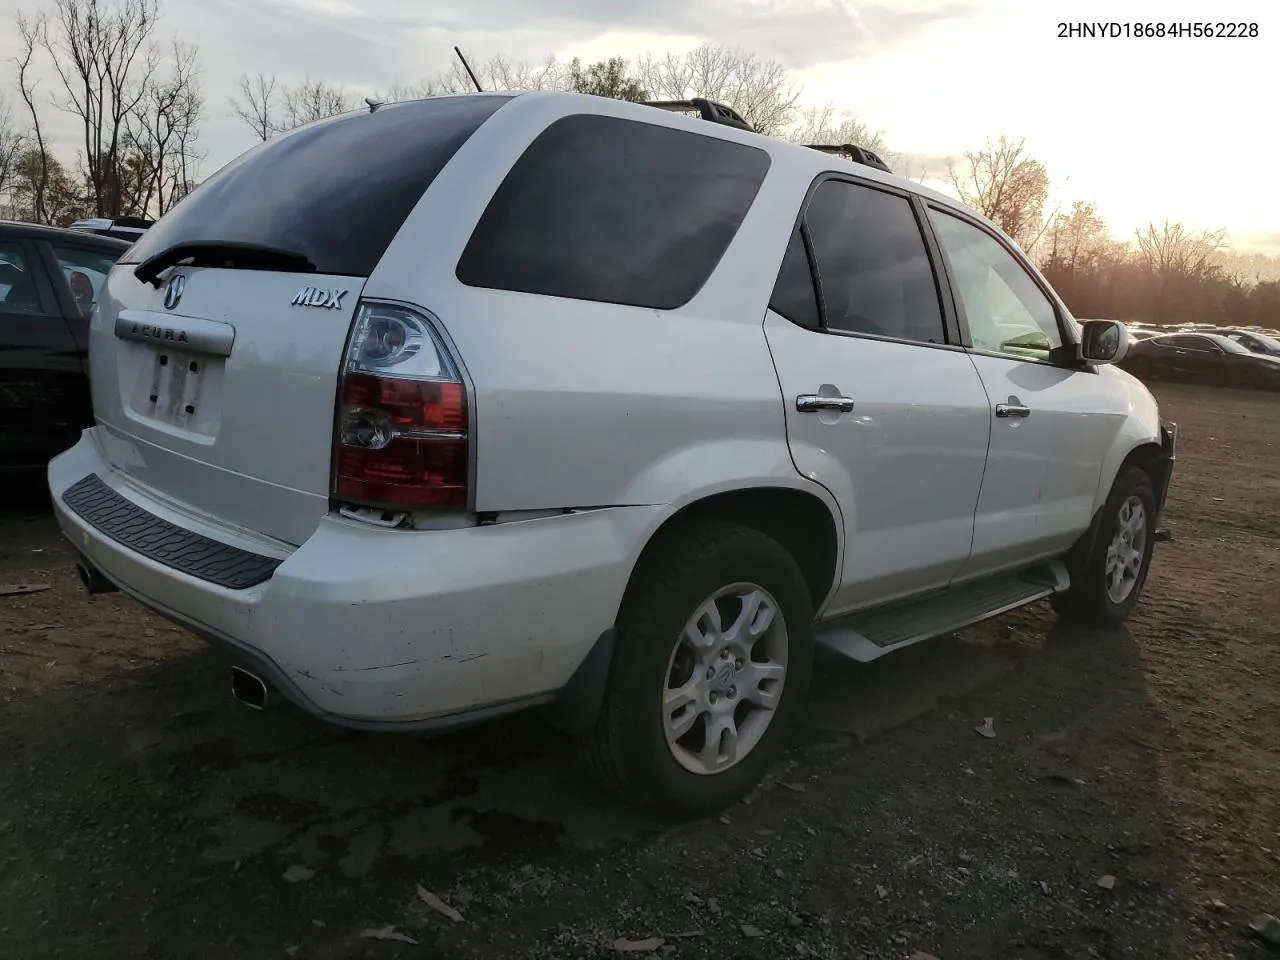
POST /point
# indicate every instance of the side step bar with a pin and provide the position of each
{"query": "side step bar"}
(869, 634)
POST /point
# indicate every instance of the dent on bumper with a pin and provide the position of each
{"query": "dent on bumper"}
(378, 628)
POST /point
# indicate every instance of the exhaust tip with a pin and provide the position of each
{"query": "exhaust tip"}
(249, 688)
(94, 582)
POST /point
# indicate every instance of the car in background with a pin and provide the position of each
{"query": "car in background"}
(1251, 340)
(128, 229)
(49, 284)
(1205, 358)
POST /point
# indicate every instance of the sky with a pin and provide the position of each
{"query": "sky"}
(1149, 129)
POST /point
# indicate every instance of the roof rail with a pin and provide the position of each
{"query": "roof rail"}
(704, 108)
(856, 154)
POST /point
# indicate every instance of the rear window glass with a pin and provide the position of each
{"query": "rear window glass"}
(336, 191)
(616, 211)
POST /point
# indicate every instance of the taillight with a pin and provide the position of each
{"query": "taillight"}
(402, 415)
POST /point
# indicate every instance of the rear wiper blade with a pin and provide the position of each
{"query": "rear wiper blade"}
(255, 256)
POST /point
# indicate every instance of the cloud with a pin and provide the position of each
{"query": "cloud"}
(1268, 243)
(922, 71)
(799, 33)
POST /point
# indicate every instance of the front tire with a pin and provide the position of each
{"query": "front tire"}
(1107, 585)
(711, 667)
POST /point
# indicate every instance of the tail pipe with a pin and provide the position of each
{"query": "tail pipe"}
(93, 580)
(251, 690)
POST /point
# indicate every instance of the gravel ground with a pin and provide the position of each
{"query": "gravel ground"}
(1129, 805)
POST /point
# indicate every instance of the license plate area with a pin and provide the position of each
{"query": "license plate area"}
(177, 391)
(175, 386)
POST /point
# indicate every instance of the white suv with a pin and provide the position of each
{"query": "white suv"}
(449, 408)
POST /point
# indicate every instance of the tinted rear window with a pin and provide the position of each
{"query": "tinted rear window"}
(614, 210)
(335, 191)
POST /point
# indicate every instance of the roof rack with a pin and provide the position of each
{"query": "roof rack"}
(855, 153)
(704, 108)
(719, 113)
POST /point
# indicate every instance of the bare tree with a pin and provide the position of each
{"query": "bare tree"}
(832, 126)
(36, 167)
(105, 59)
(257, 105)
(161, 136)
(760, 90)
(12, 140)
(1174, 250)
(1248, 267)
(1178, 261)
(1074, 239)
(407, 91)
(313, 100)
(498, 73)
(1007, 187)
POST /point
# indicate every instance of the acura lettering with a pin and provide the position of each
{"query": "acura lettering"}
(153, 332)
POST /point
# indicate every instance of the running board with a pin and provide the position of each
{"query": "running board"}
(870, 634)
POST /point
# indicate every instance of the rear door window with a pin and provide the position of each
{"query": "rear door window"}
(872, 264)
(337, 191)
(616, 211)
(794, 295)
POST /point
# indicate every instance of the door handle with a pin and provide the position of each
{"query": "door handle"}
(1005, 410)
(812, 403)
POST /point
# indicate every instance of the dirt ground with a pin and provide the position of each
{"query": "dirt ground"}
(143, 813)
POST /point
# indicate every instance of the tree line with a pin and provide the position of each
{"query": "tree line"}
(137, 104)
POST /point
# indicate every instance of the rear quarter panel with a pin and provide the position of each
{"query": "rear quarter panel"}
(589, 404)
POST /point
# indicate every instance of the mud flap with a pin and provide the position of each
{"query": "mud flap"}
(577, 705)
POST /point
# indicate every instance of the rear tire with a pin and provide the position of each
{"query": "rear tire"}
(1110, 580)
(711, 667)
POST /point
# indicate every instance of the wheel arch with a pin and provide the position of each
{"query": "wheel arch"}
(1150, 457)
(805, 523)
(805, 520)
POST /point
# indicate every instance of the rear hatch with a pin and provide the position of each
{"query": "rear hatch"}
(216, 350)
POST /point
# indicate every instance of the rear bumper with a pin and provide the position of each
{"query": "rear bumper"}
(385, 628)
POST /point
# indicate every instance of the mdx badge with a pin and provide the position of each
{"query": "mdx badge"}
(318, 297)
(173, 292)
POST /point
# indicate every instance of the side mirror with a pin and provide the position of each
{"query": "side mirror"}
(1103, 341)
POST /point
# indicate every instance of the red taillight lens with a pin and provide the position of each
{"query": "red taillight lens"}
(402, 437)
